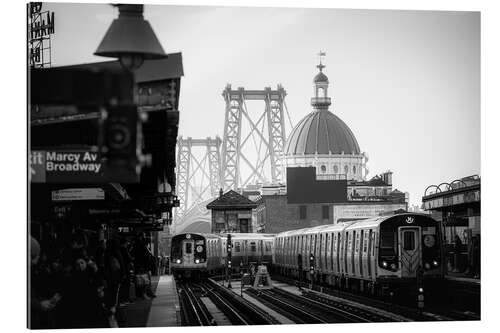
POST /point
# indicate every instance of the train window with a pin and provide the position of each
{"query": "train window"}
(176, 251)
(189, 248)
(237, 247)
(408, 240)
(268, 246)
(388, 240)
(253, 247)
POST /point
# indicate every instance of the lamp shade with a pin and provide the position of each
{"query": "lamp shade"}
(130, 35)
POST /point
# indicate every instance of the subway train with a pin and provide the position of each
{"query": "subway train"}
(249, 249)
(194, 255)
(198, 255)
(372, 255)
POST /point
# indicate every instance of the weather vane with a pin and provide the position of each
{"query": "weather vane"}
(320, 55)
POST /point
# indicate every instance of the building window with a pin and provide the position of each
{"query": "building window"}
(335, 169)
(302, 212)
(346, 169)
(354, 169)
(323, 169)
(321, 92)
(326, 212)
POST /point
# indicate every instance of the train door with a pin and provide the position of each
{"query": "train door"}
(409, 251)
(364, 253)
(373, 253)
(359, 256)
(188, 251)
(348, 252)
(342, 253)
(335, 254)
(319, 247)
(328, 256)
(357, 246)
(367, 253)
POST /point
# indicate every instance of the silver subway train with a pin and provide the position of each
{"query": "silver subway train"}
(364, 255)
(195, 254)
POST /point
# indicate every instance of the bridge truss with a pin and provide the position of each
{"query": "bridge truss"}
(250, 152)
(198, 176)
(264, 137)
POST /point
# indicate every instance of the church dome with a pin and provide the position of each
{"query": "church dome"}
(321, 132)
(320, 78)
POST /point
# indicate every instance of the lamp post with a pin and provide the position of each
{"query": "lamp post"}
(130, 38)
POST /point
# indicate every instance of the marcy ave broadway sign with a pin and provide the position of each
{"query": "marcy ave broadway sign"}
(66, 167)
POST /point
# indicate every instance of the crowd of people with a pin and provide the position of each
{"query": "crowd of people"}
(74, 285)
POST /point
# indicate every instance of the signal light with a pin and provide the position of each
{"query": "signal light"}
(119, 132)
(178, 261)
(420, 290)
(197, 261)
(311, 262)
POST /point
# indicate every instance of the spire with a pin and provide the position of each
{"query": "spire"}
(320, 100)
(320, 55)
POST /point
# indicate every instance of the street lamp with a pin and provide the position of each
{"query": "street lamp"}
(130, 38)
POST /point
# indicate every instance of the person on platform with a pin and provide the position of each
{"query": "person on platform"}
(41, 304)
(143, 266)
(115, 271)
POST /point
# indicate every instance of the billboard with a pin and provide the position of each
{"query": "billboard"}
(303, 187)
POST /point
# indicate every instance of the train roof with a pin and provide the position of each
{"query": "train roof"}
(249, 236)
(365, 223)
(198, 234)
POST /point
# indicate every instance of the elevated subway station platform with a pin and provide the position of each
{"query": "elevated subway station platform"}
(161, 311)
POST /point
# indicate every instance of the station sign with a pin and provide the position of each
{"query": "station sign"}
(77, 194)
(64, 166)
(78, 166)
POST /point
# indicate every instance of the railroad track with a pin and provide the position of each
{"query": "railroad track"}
(193, 311)
(431, 314)
(308, 310)
(236, 309)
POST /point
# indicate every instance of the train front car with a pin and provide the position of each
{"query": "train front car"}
(409, 247)
(409, 250)
(191, 254)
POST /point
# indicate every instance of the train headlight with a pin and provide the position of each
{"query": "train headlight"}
(197, 261)
(427, 265)
(393, 266)
(384, 263)
(435, 263)
(178, 261)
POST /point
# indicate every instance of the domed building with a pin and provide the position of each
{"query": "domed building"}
(323, 140)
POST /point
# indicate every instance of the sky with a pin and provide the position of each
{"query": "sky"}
(407, 83)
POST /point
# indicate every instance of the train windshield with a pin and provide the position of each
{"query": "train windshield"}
(388, 244)
(176, 251)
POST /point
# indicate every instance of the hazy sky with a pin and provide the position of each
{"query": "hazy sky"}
(407, 83)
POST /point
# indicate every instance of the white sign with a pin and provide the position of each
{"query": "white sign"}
(74, 194)
(363, 211)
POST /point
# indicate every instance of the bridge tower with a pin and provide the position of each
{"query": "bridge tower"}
(248, 137)
(198, 172)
